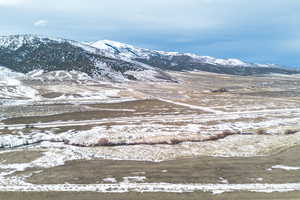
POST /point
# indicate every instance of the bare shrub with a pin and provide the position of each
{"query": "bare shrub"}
(174, 141)
(246, 133)
(261, 132)
(212, 138)
(290, 132)
(220, 90)
(103, 142)
(221, 135)
(28, 126)
(228, 132)
(66, 141)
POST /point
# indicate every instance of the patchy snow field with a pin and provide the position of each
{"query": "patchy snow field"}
(69, 120)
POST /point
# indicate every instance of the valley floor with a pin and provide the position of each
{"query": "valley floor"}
(221, 135)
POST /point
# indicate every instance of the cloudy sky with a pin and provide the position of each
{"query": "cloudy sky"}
(252, 30)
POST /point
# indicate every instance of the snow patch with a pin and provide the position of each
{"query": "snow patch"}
(285, 167)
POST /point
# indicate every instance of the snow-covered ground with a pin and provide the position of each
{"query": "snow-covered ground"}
(57, 156)
(153, 187)
(17, 89)
(284, 167)
(171, 117)
(58, 76)
(11, 86)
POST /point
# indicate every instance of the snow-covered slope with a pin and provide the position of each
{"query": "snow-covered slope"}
(175, 61)
(121, 49)
(12, 87)
(26, 53)
(7, 73)
(61, 75)
(129, 51)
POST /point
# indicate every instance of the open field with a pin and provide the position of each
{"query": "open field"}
(148, 196)
(203, 170)
(207, 133)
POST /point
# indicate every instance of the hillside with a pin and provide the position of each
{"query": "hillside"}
(114, 61)
(25, 53)
(186, 61)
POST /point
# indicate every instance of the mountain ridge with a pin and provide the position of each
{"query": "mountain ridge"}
(110, 60)
(25, 53)
(107, 44)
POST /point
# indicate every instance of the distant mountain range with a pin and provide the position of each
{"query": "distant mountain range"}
(115, 61)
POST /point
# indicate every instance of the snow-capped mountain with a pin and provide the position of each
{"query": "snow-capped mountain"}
(129, 51)
(25, 53)
(186, 61)
(109, 60)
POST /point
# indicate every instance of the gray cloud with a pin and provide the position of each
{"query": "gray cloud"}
(265, 31)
